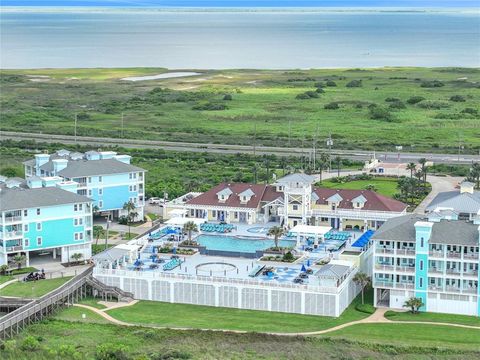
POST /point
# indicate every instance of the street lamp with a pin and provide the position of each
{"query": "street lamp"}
(106, 235)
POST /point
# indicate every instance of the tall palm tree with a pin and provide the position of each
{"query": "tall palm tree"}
(190, 227)
(19, 259)
(474, 175)
(98, 231)
(423, 163)
(412, 167)
(131, 214)
(283, 164)
(323, 162)
(363, 280)
(338, 161)
(276, 232)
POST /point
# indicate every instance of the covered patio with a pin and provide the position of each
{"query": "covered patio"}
(309, 231)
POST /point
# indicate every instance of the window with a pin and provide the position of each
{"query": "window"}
(134, 187)
(26, 242)
(214, 213)
(134, 175)
(89, 192)
(89, 179)
(421, 282)
(80, 236)
(130, 176)
(358, 204)
(39, 226)
(39, 241)
(38, 211)
(80, 207)
(295, 207)
(100, 191)
(421, 264)
(76, 236)
(100, 204)
(421, 242)
(25, 228)
(130, 188)
(75, 207)
(25, 212)
(99, 179)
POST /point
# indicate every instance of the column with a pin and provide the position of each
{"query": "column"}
(27, 259)
(55, 253)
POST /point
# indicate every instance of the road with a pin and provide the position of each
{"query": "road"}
(359, 155)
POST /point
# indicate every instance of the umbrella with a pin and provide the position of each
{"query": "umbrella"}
(303, 268)
(174, 250)
(308, 263)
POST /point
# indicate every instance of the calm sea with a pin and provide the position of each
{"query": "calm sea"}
(238, 39)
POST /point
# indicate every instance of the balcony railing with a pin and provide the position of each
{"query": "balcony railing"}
(472, 256)
(380, 250)
(435, 287)
(11, 234)
(406, 252)
(452, 289)
(12, 219)
(435, 254)
(433, 270)
(391, 284)
(384, 267)
(455, 255)
(455, 272)
(14, 248)
(409, 269)
(472, 290)
(354, 214)
(471, 273)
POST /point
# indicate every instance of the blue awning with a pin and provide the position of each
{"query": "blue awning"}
(364, 239)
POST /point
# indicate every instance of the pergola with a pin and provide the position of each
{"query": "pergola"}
(317, 232)
(180, 221)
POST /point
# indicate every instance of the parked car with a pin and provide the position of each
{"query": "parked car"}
(155, 201)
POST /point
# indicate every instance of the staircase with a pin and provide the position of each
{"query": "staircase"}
(108, 292)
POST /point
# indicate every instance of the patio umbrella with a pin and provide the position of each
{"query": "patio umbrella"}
(303, 268)
(308, 263)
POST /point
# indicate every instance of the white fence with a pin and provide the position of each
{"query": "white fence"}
(235, 293)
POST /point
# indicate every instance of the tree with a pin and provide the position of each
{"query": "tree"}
(412, 167)
(276, 232)
(363, 280)
(338, 161)
(77, 256)
(95, 209)
(131, 214)
(380, 113)
(3, 269)
(323, 162)
(423, 163)
(414, 304)
(354, 83)
(19, 259)
(474, 175)
(98, 231)
(190, 227)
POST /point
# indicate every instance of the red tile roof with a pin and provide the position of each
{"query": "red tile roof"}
(375, 202)
(271, 194)
(210, 197)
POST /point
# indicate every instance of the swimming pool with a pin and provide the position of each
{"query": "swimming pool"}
(239, 244)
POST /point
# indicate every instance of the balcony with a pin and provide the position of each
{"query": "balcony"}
(455, 289)
(405, 252)
(12, 219)
(354, 214)
(408, 269)
(384, 267)
(471, 273)
(436, 254)
(454, 272)
(11, 234)
(14, 248)
(380, 250)
(434, 270)
(383, 284)
(405, 285)
(435, 287)
(82, 185)
(470, 256)
(454, 255)
(472, 290)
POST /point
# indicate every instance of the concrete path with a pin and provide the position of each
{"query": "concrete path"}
(377, 317)
(439, 184)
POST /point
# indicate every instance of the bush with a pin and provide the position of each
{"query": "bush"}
(331, 83)
(288, 256)
(432, 84)
(380, 113)
(457, 98)
(111, 352)
(171, 355)
(397, 105)
(302, 96)
(210, 106)
(392, 99)
(68, 352)
(354, 83)
(228, 97)
(331, 106)
(319, 84)
(365, 308)
(320, 90)
(30, 343)
(307, 95)
(433, 104)
(415, 100)
(470, 111)
(123, 220)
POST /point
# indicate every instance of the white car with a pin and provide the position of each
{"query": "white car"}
(155, 201)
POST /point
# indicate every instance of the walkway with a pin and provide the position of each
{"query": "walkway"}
(377, 317)
(439, 184)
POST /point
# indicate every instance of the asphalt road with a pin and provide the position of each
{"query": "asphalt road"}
(360, 155)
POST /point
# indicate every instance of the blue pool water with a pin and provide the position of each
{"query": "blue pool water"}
(239, 244)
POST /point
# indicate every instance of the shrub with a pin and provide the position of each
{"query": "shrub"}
(319, 90)
(432, 84)
(415, 100)
(210, 106)
(433, 104)
(380, 113)
(228, 97)
(354, 83)
(319, 84)
(331, 106)
(68, 352)
(457, 98)
(302, 96)
(331, 83)
(288, 256)
(30, 343)
(392, 99)
(365, 308)
(111, 352)
(171, 355)
(470, 111)
(397, 105)
(307, 95)
(123, 220)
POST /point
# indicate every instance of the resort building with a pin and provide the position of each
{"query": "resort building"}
(41, 216)
(290, 201)
(465, 201)
(105, 177)
(433, 257)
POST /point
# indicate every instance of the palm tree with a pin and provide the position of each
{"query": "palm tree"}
(131, 214)
(276, 232)
(423, 162)
(414, 304)
(283, 164)
(474, 175)
(190, 227)
(323, 162)
(98, 231)
(19, 259)
(363, 280)
(412, 167)
(77, 256)
(3, 269)
(95, 209)
(338, 161)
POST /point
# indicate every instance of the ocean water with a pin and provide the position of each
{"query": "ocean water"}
(238, 39)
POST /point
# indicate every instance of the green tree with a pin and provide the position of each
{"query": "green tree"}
(98, 232)
(19, 260)
(77, 257)
(412, 167)
(276, 232)
(363, 280)
(3, 269)
(338, 161)
(323, 162)
(474, 175)
(129, 207)
(423, 163)
(190, 227)
(414, 304)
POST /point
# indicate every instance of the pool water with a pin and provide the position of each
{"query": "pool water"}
(239, 244)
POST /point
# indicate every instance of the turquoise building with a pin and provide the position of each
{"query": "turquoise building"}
(42, 218)
(105, 177)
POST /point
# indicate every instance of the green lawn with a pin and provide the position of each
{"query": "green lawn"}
(384, 186)
(207, 317)
(412, 335)
(153, 216)
(5, 278)
(75, 313)
(94, 302)
(97, 248)
(433, 317)
(33, 289)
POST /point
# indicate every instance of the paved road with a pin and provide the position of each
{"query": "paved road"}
(360, 155)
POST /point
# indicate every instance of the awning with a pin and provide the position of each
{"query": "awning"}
(180, 221)
(318, 231)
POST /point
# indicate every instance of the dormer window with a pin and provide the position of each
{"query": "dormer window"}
(224, 194)
(246, 195)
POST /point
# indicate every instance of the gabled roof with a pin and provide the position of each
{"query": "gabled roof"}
(298, 177)
(359, 199)
(248, 193)
(271, 194)
(335, 198)
(333, 271)
(464, 203)
(315, 197)
(20, 198)
(225, 192)
(81, 168)
(374, 201)
(210, 197)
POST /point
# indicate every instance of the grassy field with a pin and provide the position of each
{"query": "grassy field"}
(386, 186)
(433, 317)
(57, 339)
(194, 109)
(33, 289)
(413, 335)
(75, 314)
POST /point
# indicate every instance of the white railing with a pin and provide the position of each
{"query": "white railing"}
(212, 279)
(473, 256)
(405, 252)
(379, 250)
(393, 285)
(409, 269)
(384, 267)
(436, 254)
(454, 255)
(12, 219)
(355, 214)
(11, 234)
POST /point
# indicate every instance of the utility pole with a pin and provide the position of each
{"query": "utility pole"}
(315, 149)
(329, 144)
(122, 124)
(460, 147)
(75, 131)
(289, 131)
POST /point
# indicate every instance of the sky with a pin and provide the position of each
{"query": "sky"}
(248, 3)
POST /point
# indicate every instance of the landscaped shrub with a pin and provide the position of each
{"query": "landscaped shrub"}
(123, 220)
(354, 83)
(111, 352)
(433, 104)
(331, 106)
(365, 308)
(432, 84)
(380, 113)
(457, 98)
(288, 257)
(415, 100)
(392, 99)
(331, 83)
